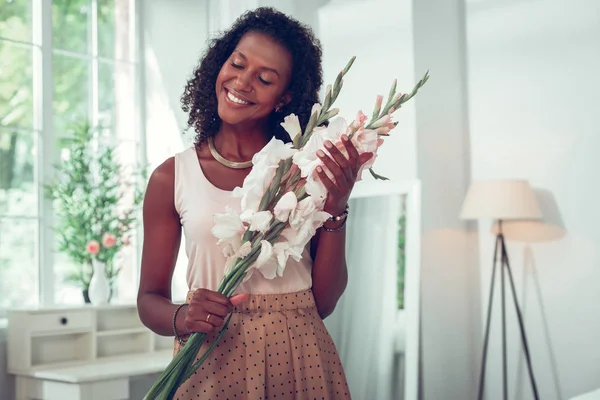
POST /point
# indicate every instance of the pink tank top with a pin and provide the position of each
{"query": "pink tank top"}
(197, 200)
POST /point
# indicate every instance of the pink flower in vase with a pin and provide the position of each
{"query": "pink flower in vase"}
(109, 240)
(93, 247)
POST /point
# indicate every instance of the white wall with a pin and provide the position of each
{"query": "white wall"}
(305, 11)
(380, 35)
(449, 310)
(533, 90)
(403, 39)
(175, 37)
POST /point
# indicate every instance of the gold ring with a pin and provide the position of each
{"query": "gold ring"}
(208, 317)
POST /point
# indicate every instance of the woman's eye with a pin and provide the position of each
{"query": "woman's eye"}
(264, 82)
(234, 65)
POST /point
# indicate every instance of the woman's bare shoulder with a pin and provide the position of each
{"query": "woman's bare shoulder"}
(166, 170)
(161, 181)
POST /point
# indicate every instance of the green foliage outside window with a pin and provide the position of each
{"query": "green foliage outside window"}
(401, 255)
(21, 144)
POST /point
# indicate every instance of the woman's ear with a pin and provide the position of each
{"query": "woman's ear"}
(285, 99)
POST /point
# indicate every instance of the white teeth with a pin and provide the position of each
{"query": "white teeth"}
(235, 99)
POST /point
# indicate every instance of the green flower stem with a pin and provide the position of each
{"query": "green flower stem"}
(203, 358)
(274, 234)
(391, 95)
(286, 169)
(248, 235)
(317, 119)
(395, 105)
(292, 180)
(169, 381)
(240, 271)
(172, 377)
(327, 102)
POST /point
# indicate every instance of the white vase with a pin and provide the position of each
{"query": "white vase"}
(99, 291)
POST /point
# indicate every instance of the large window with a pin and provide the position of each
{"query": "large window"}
(60, 61)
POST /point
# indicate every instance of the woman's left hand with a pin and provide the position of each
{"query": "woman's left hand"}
(344, 169)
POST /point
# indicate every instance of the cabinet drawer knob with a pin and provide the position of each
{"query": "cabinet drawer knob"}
(64, 321)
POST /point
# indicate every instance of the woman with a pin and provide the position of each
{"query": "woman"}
(265, 67)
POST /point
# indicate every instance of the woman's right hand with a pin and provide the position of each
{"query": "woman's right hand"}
(207, 310)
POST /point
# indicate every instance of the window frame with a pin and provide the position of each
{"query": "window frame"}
(46, 150)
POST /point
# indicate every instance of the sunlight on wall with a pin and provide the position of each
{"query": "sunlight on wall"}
(163, 140)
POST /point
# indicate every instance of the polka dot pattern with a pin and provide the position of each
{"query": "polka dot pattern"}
(276, 347)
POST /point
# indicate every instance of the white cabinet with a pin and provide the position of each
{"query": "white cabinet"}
(64, 353)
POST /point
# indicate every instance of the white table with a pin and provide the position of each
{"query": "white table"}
(108, 380)
(81, 352)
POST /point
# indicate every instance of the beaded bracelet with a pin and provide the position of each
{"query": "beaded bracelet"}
(181, 342)
(343, 216)
(339, 228)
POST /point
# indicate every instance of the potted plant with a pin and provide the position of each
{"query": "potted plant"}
(95, 203)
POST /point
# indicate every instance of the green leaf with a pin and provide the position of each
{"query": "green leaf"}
(327, 102)
(376, 176)
(349, 65)
(309, 127)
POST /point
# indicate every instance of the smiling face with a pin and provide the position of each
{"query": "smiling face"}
(253, 80)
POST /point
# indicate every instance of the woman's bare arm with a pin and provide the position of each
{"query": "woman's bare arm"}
(162, 237)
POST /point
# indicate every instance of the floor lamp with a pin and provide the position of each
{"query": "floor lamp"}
(502, 200)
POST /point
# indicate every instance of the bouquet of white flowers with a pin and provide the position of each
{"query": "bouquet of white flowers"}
(282, 206)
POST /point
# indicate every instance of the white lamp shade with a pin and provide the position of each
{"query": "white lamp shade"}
(501, 199)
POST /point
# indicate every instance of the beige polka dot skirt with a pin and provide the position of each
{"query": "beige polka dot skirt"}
(276, 347)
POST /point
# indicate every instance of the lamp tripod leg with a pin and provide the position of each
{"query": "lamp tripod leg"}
(487, 324)
(520, 319)
(503, 299)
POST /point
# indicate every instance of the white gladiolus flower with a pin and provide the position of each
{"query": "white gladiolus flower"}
(255, 186)
(291, 124)
(283, 251)
(265, 164)
(228, 229)
(274, 151)
(242, 252)
(306, 159)
(303, 223)
(261, 221)
(366, 141)
(304, 209)
(285, 206)
(316, 189)
(265, 262)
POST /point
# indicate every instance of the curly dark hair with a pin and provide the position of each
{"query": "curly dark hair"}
(199, 98)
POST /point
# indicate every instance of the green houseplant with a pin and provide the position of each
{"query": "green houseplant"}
(95, 203)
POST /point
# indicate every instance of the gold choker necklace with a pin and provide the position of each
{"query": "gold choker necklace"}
(223, 160)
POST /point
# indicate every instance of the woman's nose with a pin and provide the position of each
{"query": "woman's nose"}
(242, 81)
